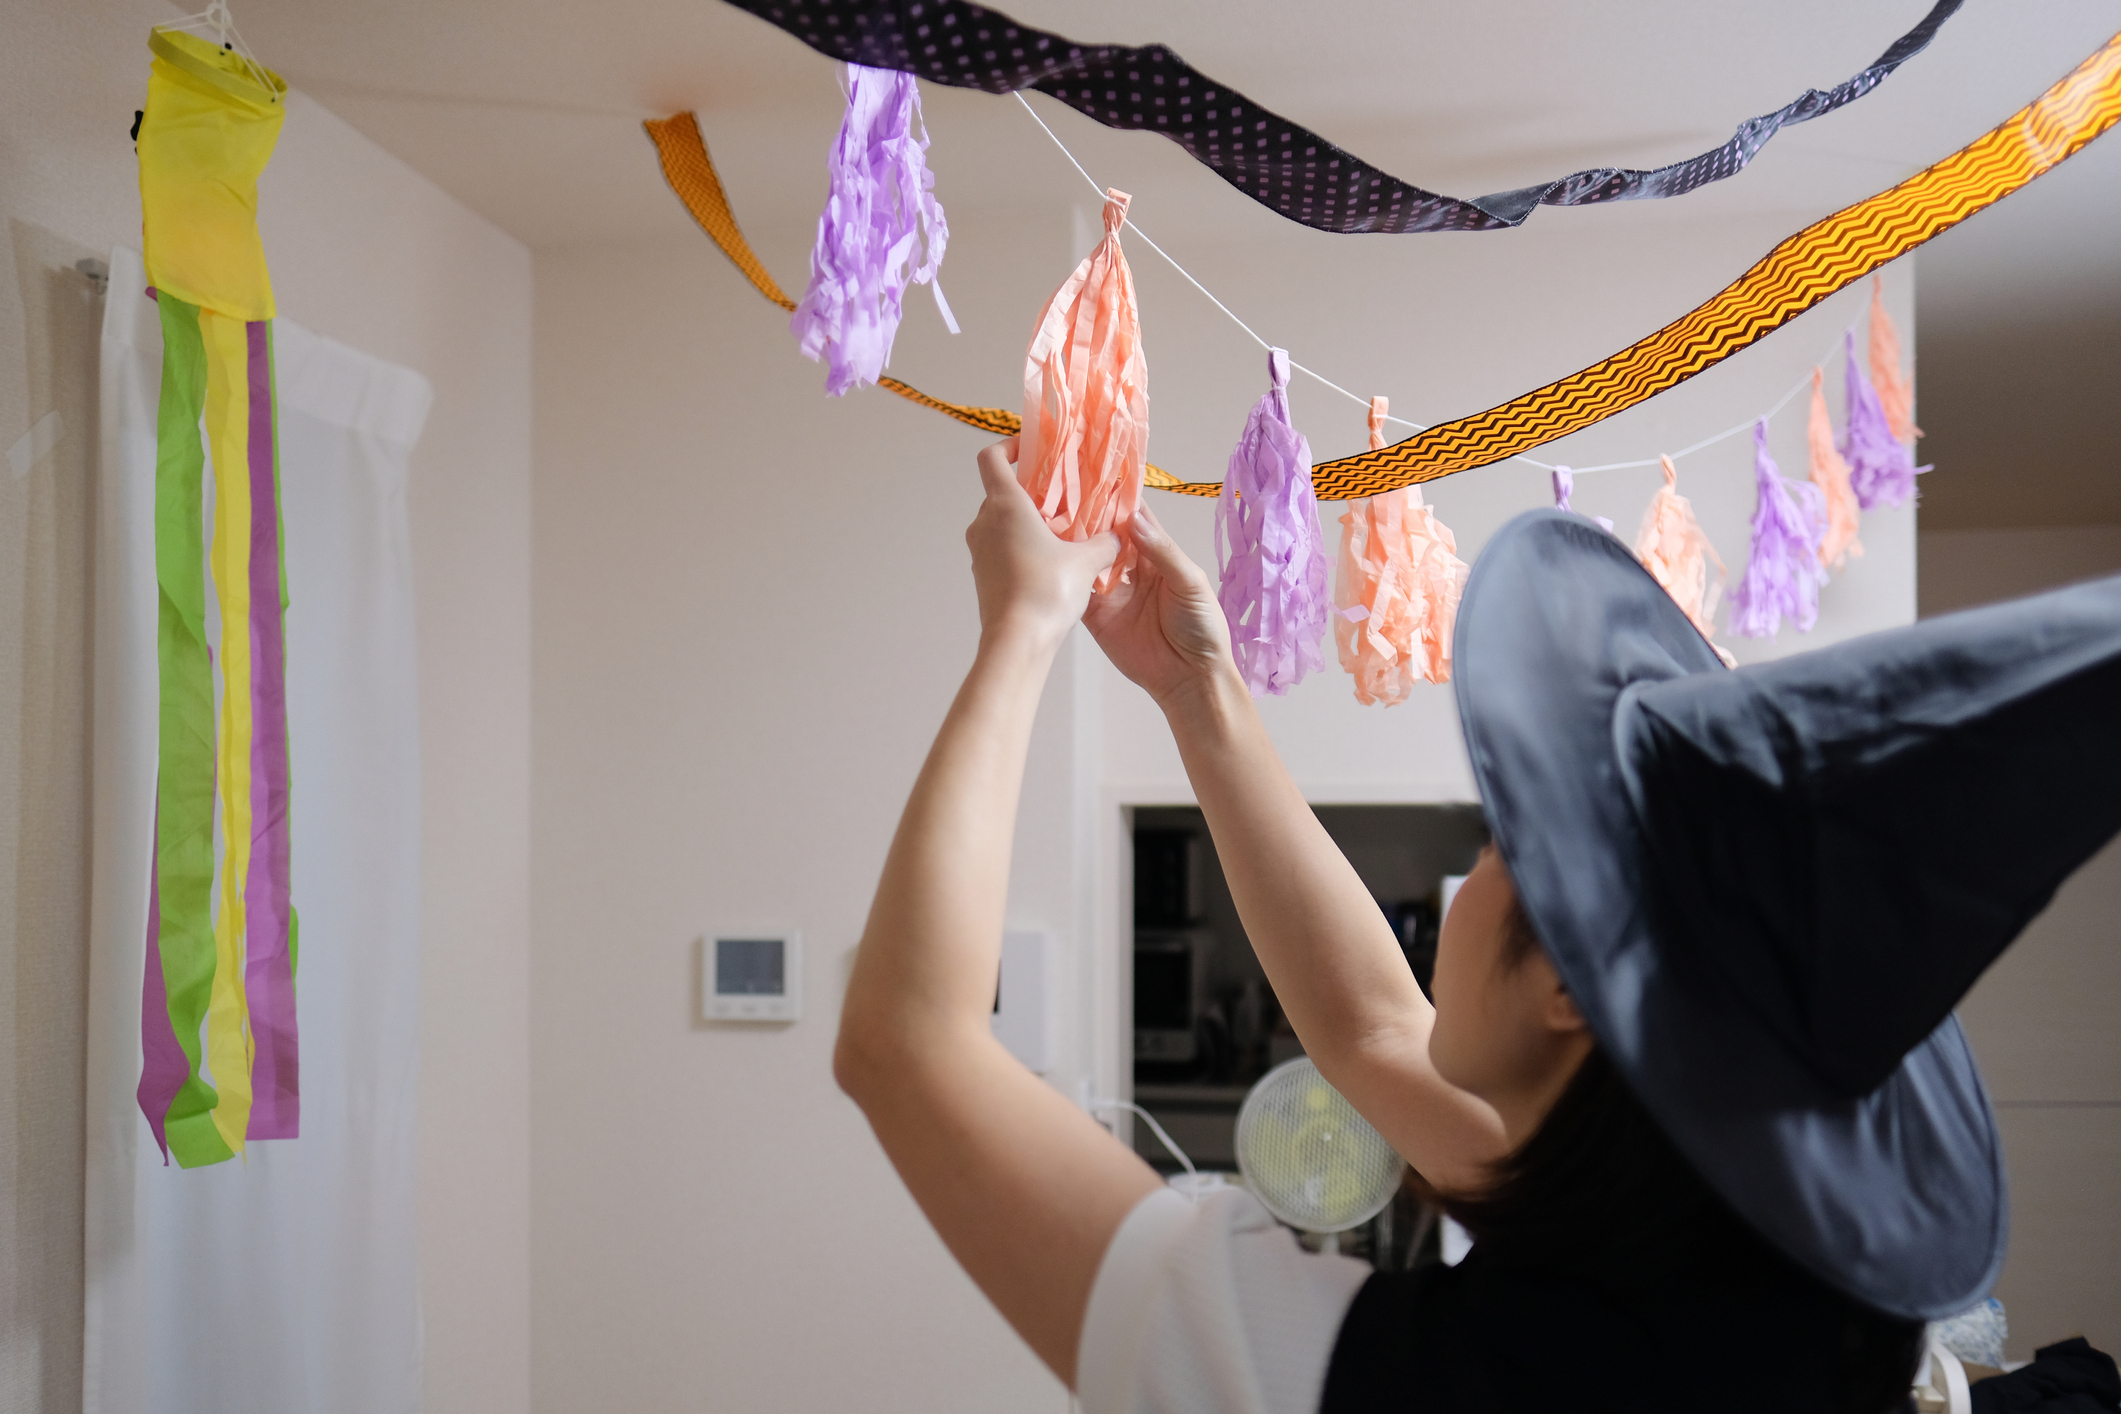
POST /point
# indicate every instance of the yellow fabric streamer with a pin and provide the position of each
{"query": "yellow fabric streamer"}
(1395, 589)
(1830, 473)
(212, 115)
(228, 1052)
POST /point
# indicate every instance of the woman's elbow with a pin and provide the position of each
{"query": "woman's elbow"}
(855, 1056)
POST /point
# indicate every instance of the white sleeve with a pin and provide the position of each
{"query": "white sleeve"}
(1212, 1309)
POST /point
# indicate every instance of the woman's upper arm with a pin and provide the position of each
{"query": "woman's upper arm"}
(1024, 1188)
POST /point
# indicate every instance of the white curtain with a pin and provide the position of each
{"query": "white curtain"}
(285, 1281)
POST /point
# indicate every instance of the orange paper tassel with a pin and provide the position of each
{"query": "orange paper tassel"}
(1896, 392)
(1676, 551)
(1396, 590)
(1086, 401)
(1830, 473)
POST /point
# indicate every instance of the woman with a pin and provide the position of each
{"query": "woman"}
(1690, 1077)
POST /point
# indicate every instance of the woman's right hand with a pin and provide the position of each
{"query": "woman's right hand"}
(1164, 630)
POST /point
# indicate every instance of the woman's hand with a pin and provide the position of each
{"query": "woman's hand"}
(1029, 579)
(1164, 630)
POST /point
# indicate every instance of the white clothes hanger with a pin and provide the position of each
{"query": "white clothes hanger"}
(216, 21)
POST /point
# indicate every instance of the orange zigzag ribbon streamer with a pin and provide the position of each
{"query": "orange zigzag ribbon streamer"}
(1820, 260)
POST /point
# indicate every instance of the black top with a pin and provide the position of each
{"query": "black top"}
(1729, 1326)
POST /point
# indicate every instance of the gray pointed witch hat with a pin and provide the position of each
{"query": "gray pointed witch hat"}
(1767, 888)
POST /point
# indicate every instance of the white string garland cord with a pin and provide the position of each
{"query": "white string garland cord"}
(1101, 1105)
(1705, 443)
(217, 19)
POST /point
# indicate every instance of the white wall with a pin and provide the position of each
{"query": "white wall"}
(750, 613)
(368, 252)
(2042, 1019)
(752, 609)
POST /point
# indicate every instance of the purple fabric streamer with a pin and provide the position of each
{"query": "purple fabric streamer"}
(1783, 574)
(1269, 549)
(163, 1065)
(268, 968)
(1882, 470)
(1564, 487)
(881, 204)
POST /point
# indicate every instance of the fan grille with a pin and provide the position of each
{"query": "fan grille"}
(1308, 1156)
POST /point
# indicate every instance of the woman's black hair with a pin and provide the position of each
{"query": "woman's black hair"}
(1599, 1186)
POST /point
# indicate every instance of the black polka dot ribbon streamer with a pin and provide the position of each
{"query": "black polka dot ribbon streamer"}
(1284, 167)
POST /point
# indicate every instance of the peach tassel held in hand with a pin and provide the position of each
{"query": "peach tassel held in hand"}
(1830, 473)
(1397, 589)
(1676, 551)
(1086, 401)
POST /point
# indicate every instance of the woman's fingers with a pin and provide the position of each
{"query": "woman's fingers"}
(1099, 551)
(997, 466)
(1160, 550)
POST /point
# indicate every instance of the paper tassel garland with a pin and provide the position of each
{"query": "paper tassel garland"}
(1676, 551)
(880, 207)
(1882, 471)
(207, 132)
(1086, 401)
(1565, 487)
(1268, 547)
(1799, 272)
(1783, 573)
(1397, 590)
(1831, 475)
(1896, 392)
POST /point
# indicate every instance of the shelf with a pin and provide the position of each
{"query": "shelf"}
(1217, 1096)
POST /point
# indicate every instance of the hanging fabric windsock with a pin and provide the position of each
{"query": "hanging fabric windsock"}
(1830, 473)
(1783, 574)
(1565, 487)
(1268, 547)
(226, 966)
(1086, 401)
(880, 207)
(1396, 591)
(1882, 470)
(1896, 391)
(1676, 551)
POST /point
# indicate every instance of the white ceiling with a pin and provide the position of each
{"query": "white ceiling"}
(530, 113)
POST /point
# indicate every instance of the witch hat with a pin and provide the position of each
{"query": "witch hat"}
(1766, 888)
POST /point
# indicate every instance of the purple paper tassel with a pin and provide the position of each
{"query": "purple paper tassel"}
(1564, 487)
(1882, 470)
(881, 205)
(1783, 576)
(1269, 549)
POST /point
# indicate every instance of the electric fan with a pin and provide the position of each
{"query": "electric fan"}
(1308, 1156)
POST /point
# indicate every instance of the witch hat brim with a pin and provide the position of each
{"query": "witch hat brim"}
(1660, 816)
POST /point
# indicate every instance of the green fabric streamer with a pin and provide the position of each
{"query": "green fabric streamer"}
(184, 786)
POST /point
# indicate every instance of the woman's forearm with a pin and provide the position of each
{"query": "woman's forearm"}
(1335, 966)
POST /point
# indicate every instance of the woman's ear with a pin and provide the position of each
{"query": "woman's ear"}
(1559, 1012)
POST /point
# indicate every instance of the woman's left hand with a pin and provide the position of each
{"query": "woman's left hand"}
(1029, 579)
